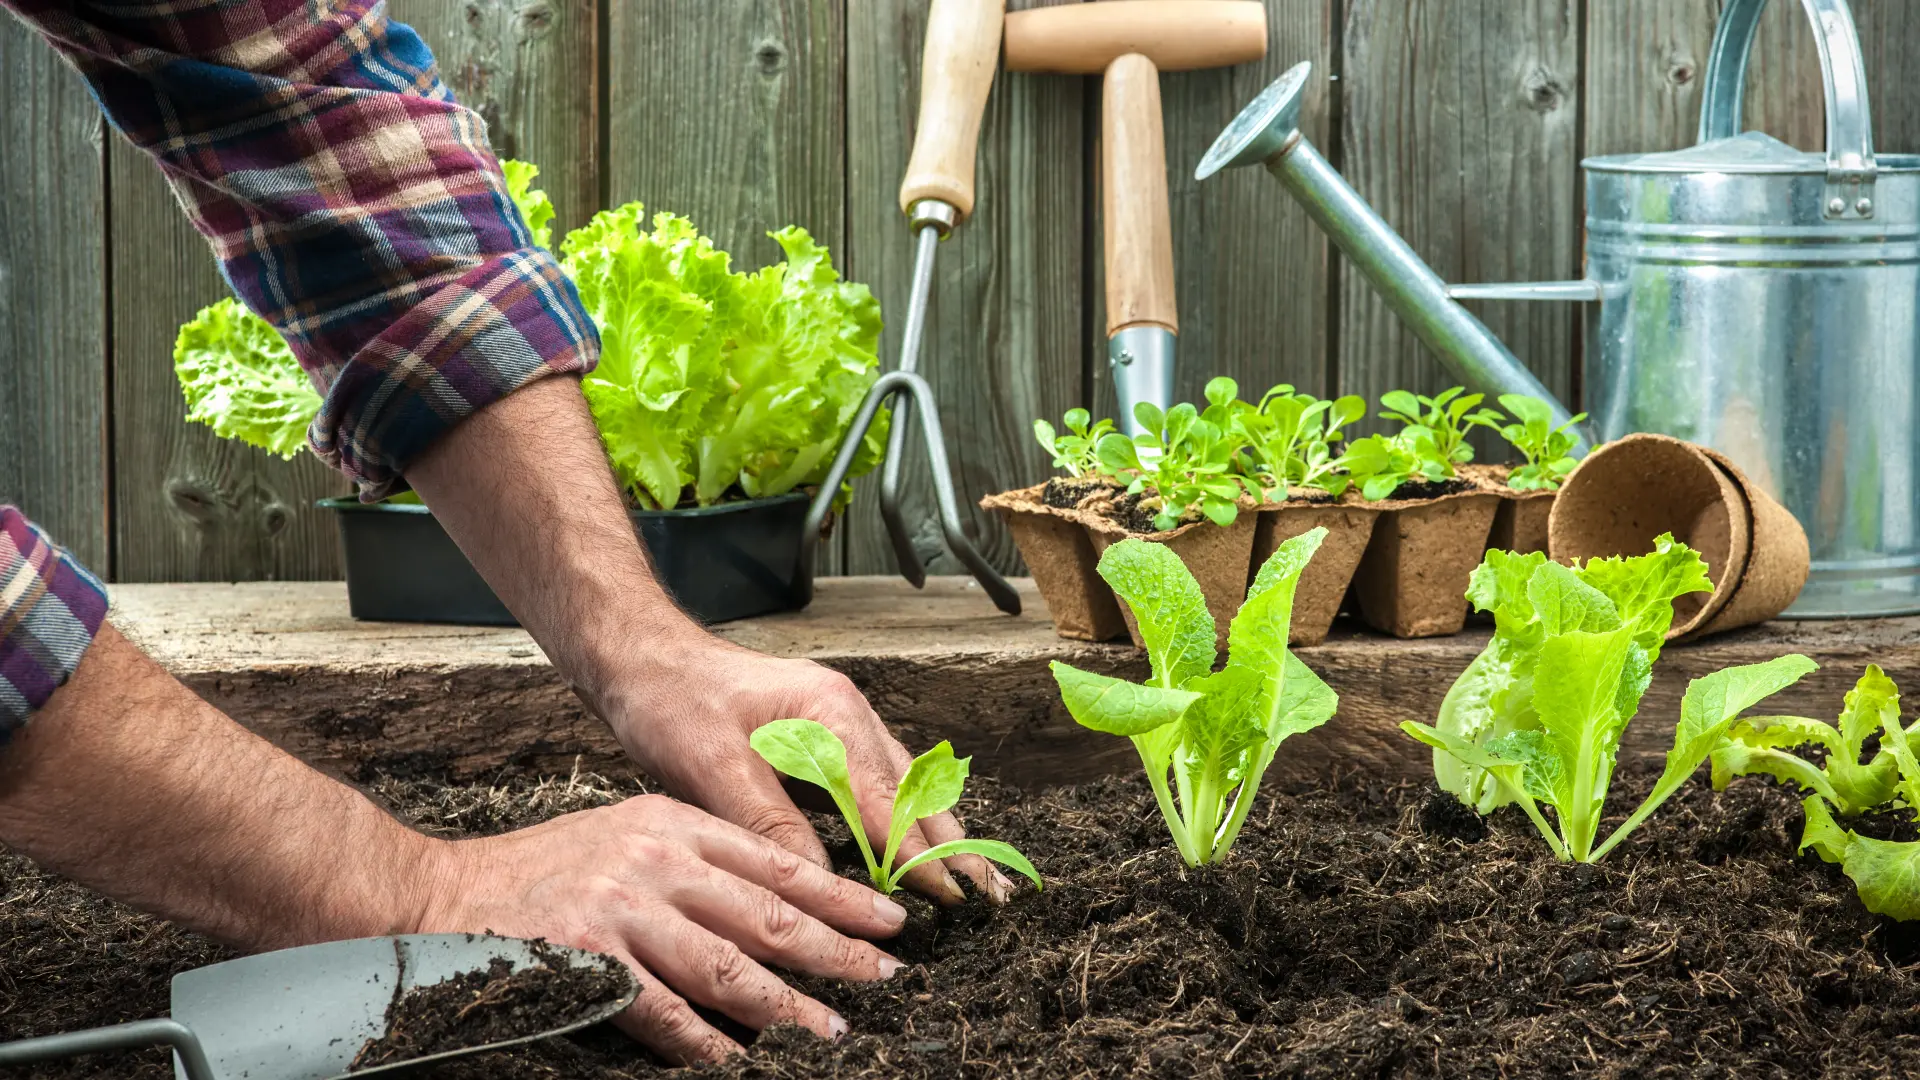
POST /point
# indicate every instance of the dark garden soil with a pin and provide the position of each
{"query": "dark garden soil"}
(500, 1004)
(1430, 489)
(1366, 930)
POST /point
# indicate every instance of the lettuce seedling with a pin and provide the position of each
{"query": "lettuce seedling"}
(1447, 417)
(1759, 746)
(1548, 450)
(1886, 873)
(240, 378)
(1214, 733)
(1077, 453)
(807, 750)
(1290, 438)
(1379, 464)
(533, 204)
(1588, 655)
(1183, 460)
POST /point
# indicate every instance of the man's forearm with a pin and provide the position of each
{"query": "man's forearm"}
(129, 783)
(525, 489)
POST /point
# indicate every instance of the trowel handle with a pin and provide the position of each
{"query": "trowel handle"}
(956, 71)
(134, 1036)
(1139, 228)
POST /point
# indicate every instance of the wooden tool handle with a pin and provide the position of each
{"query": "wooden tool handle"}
(1177, 35)
(1139, 226)
(956, 71)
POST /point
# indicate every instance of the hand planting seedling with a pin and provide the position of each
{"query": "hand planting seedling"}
(1076, 453)
(1217, 732)
(807, 750)
(1183, 461)
(1447, 417)
(1573, 653)
(1759, 745)
(1290, 438)
(1548, 449)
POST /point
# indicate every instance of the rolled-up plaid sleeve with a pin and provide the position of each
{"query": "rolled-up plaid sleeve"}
(50, 608)
(349, 199)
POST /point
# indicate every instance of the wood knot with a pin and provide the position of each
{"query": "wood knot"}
(771, 56)
(275, 517)
(192, 500)
(1543, 90)
(1680, 69)
(536, 20)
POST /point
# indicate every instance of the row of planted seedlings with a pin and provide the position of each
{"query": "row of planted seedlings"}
(1407, 515)
(1536, 721)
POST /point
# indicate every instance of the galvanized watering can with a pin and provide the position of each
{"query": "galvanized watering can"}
(1751, 297)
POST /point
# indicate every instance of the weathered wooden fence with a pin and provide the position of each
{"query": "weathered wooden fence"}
(1462, 121)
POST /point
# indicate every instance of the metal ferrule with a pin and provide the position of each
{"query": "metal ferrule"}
(1141, 360)
(938, 213)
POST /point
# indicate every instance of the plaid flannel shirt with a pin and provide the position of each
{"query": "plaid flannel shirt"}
(351, 202)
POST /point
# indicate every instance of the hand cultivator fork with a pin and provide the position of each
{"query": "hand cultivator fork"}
(962, 49)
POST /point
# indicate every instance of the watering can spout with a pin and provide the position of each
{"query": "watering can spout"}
(1267, 133)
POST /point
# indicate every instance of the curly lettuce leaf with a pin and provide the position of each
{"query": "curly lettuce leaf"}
(532, 203)
(240, 378)
(711, 380)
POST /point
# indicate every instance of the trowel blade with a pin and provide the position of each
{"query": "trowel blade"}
(303, 1014)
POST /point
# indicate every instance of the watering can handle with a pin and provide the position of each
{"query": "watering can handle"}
(1851, 170)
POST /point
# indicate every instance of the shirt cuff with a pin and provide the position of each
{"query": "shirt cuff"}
(506, 323)
(50, 609)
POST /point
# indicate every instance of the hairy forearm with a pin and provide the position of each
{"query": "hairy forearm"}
(578, 579)
(132, 785)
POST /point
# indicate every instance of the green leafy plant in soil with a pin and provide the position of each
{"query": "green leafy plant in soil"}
(1290, 439)
(1216, 733)
(807, 750)
(1181, 462)
(1077, 451)
(1548, 450)
(1886, 873)
(1447, 418)
(1539, 717)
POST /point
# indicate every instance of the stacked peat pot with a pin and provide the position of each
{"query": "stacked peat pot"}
(1407, 519)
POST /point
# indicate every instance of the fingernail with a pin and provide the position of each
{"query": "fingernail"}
(999, 889)
(889, 967)
(889, 912)
(954, 893)
(836, 1026)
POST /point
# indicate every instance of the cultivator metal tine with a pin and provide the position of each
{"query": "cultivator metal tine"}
(910, 386)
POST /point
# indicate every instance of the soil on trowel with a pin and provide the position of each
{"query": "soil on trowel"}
(500, 1004)
(1363, 929)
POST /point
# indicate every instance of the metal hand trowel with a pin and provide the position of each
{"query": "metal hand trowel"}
(303, 1014)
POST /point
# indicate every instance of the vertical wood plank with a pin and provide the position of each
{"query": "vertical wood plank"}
(1460, 128)
(530, 68)
(1251, 272)
(53, 376)
(189, 506)
(1005, 337)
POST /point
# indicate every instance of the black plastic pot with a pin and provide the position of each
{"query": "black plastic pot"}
(725, 562)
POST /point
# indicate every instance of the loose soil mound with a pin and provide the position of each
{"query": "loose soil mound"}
(1367, 930)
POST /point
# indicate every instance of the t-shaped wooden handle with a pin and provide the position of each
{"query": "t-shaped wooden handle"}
(1134, 210)
(1177, 35)
(956, 72)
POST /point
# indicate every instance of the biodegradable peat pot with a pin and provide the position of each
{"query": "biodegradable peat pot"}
(1520, 525)
(1630, 491)
(1219, 557)
(1412, 581)
(728, 561)
(1063, 563)
(1323, 584)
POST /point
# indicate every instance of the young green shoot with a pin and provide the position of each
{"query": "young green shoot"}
(1206, 738)
(1886, 873)
(1183, 461)
(807, 750)
(1076, 453)
(1379, 464)
(1548, 450)
(1760, 745)
(1588, 643)
(1448, 417)
(1290, 438)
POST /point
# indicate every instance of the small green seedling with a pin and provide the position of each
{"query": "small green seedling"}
(1290, 438)
(1587, 643)
(1760, 746)
(1184, 461)
(1379, 464)
(1214, 732)
(1548, 450)
(1077, 453)
(807, 750)
(1886, 873)
(1447, 417)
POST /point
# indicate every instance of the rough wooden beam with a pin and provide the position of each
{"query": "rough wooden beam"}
(939, 664)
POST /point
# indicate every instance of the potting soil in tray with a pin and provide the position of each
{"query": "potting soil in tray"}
(1367, 930)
